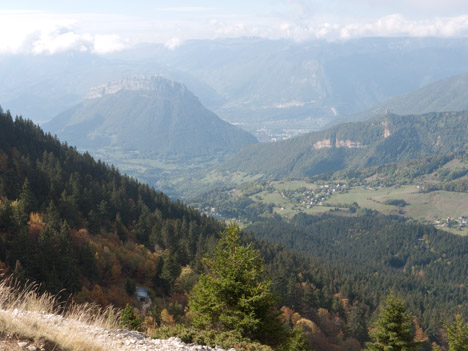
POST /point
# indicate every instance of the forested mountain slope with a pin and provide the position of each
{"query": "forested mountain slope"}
(72, 223)
(384, 139)
(377, 253)
(78, 226)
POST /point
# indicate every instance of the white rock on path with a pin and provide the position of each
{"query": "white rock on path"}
(115, 340)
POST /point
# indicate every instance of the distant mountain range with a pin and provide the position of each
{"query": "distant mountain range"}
(384, 139)
(280, 79)
(149, 115)
(277, 85)
(450, 94)
(42, 86)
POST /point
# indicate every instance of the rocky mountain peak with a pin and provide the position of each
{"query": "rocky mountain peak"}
(136, 83)
(150, 114)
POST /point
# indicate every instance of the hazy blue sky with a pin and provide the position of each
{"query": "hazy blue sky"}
(49, 26)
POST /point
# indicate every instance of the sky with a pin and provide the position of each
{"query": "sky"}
(104, 26)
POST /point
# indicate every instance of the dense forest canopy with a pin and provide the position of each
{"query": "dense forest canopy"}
(375, 253)
(54, 199)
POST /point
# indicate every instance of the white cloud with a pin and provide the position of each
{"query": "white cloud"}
(393, 25)
(104, 44)
(242, 27)
(33, 32)
(190, 9)
(388, 26)
(54, 40)
(173, 43)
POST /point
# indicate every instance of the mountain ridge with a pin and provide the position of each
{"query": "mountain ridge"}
(383, 139)
(149, 114)
(295, 87)
(445, 95)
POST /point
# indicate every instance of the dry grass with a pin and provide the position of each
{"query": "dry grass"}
(27, 312)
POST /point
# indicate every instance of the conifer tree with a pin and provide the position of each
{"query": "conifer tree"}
(356, 326)
(234, 295)
(52, 216)
(26, 204)
(297, 341)
(394, 328)
(66, 261)
(293, 294)
(309, 300)
(26, 198)
(129, 319)
(457, 334)
(170, 271)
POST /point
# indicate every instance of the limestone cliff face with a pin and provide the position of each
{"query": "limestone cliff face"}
(154, 84)
(348, 144)
(386, 129)
(327, 143)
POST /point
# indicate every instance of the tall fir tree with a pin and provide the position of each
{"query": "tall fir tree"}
(457, 334)
(234, 295)
(394, 328)
(356, 326)
(27, 201)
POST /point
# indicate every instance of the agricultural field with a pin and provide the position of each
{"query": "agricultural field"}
(443, 209)
(432, 190)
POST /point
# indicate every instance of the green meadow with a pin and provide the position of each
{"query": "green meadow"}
(288, 199)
